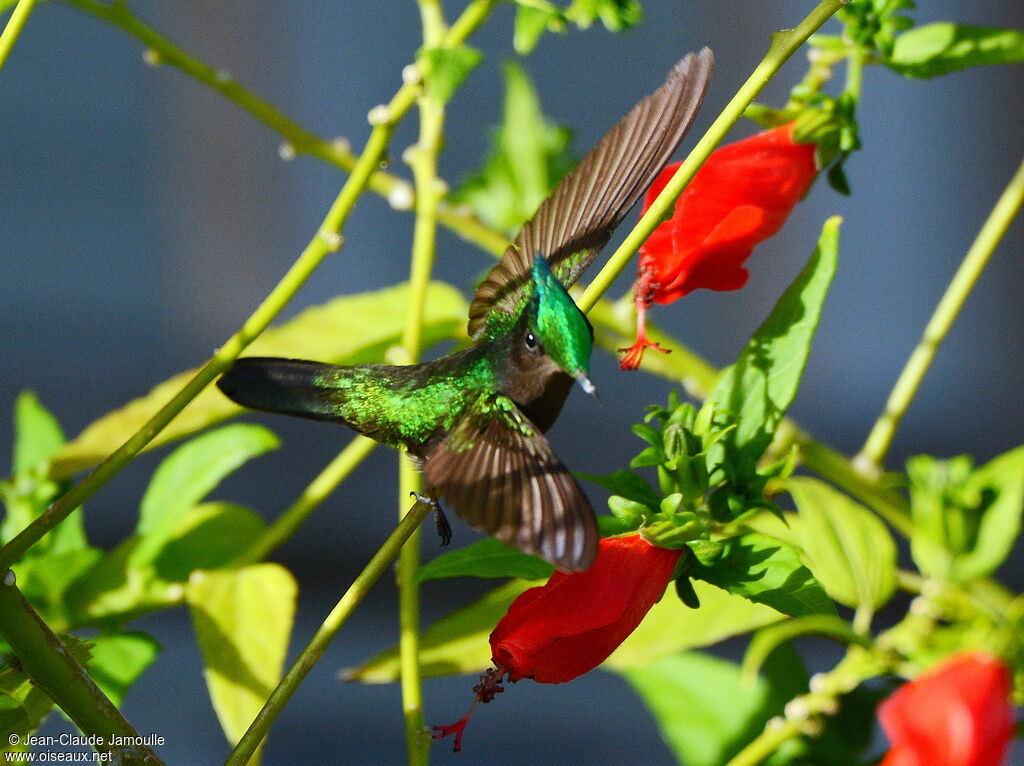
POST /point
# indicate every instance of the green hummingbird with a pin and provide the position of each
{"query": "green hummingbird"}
(475, 419)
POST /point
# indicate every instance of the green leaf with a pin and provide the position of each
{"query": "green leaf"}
(243, 620)
(447, 68)
(347, 330)
(45, 580)
(526, 162)
(847, 547)
(485, 558)
(671, 627)
(616, 15)
(113, 590)
(116, 660)
(187, 475)
(37, 434)
(208, 536)
(23, 706)
(757, 389)
(767, 571)
(625, 484)
(768, 639)
(941, 48)
(705, 710)
(1000, 487)
(532, 21)
(457, 643)
(37, 437)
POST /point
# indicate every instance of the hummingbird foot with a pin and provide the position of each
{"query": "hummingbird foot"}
(444, 529)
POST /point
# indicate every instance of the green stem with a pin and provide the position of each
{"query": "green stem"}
(299, 669)
(312, 496)
(326, 241)
(766, 743)
(804, 712)
(298, 139)
(14, 26)
(52, 667)
(784, 44)
(873, 452)
(422, 158)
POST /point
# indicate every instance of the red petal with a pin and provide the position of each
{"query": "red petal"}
(570, 625)
(740, 196)
(955, 714)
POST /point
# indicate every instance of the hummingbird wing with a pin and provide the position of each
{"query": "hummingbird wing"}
(500, 474)
(572, 225)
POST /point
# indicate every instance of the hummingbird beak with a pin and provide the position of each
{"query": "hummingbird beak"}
(587, 386)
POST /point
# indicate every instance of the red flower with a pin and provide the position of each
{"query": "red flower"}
(958, 713)
(741, 195)
(569, 625)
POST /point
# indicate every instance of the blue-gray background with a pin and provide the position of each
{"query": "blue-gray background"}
(143, 217)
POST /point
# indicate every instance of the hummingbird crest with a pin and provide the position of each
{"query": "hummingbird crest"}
(475, 419)
(561, 330)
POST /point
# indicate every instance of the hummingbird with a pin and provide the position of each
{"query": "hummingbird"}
(475, 419)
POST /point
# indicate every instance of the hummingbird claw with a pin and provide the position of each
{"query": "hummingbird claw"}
(444, 529)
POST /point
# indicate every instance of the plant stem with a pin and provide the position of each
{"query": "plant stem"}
(327, 240)
(784, 44)
(356, 592)
(872, 454)
(766, 743)
(422, 158)
(328, 479)
(52, 667)
(14, 26)
(298, 139)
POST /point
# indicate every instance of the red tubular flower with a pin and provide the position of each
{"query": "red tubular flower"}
(569, 625)
(958, 713)
(562, 629)
(741, 195)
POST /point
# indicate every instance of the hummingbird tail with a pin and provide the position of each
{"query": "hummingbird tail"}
(290, 386)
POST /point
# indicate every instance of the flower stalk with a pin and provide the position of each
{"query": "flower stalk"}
(52, 667)
(422, 158)
(872, 455)
(334, 621)
(13, 29)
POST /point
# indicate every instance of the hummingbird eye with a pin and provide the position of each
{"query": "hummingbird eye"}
(532, 344)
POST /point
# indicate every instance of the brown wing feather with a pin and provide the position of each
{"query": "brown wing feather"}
(572, 225)
(500, 474)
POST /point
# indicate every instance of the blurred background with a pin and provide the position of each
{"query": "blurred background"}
(142, 218)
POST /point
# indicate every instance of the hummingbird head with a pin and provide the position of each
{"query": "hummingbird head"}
(559, 330)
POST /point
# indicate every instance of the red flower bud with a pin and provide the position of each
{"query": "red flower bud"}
(741, 195)
(958, 713)
(562, 629)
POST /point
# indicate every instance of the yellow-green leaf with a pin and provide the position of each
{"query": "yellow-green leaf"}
(243, 620)
(671, 627)
(347, 330)
(454, 644)
(846, 546)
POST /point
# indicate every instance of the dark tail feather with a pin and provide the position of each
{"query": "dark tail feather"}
(290, 386)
